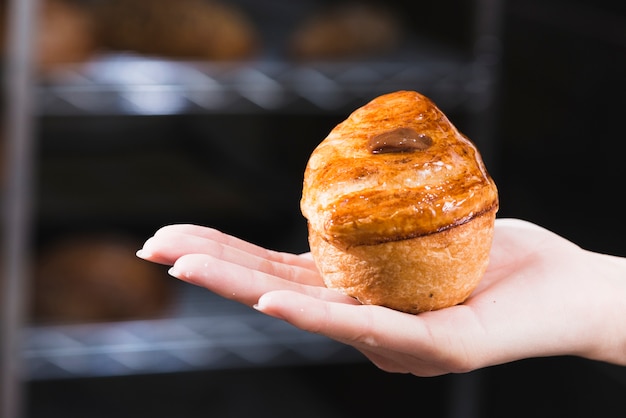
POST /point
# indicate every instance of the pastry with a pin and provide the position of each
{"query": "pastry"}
(346, 31)
(399, 206)
(185, 29)
(96, 277)
(66, 35)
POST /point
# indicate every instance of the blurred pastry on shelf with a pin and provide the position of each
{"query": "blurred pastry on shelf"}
(65, 33)
(97, 277)
(346, 31)
(184, 29)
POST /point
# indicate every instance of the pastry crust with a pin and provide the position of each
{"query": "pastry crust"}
(405, 223)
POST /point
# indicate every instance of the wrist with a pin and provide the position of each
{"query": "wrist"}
(610, 344)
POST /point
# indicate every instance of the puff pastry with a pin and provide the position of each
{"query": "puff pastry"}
(400, 207)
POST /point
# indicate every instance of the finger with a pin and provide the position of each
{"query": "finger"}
(241, 283)
(363, 326)
(211, 234)
(428, 344)
(172, 241)
(169, 245)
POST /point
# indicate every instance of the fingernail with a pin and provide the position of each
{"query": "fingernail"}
(142, 254)
(173, 272)
(258, 307)
(261, 306)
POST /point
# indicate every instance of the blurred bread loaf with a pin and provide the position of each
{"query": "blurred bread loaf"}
(65, 33)
(346, 31)
(186, 29)
(96, 277)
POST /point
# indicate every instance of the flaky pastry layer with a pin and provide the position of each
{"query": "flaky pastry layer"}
(354, 196)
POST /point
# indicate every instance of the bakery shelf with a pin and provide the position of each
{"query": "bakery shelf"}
(123, 84)
(205, 332)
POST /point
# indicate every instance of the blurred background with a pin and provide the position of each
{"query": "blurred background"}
(151, 112)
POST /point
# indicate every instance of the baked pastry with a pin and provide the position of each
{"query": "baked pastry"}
(66, 34)
(346, 31)
(400, 207)
(96, 277)
(182, 29)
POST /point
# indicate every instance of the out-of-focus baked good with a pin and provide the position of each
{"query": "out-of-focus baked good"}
(186, 29)
(65, 33)
(346, 31)
(400, 207)
(97, 277)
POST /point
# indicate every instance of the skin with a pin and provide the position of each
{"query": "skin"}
(541, 296)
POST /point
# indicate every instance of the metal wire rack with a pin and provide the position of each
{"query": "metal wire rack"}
(130, 85)
(204, 331)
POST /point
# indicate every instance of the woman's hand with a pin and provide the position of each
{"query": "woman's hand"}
(541, 296)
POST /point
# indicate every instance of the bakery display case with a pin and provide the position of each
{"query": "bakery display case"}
(148, 123)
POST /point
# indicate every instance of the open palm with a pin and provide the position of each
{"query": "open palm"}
(536, 299)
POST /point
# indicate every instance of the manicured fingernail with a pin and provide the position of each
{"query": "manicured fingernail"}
(174, 272)
(260, 304)
(259, 307)
(142, 254)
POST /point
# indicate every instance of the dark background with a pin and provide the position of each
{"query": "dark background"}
(560, 133)
(558, 162)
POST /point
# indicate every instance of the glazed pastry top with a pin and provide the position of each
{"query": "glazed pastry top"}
(395, 169)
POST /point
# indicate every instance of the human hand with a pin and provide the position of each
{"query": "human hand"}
(541, 296)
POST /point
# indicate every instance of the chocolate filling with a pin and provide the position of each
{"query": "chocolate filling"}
(399, 140)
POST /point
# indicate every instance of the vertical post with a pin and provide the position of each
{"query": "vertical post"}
(17, 195)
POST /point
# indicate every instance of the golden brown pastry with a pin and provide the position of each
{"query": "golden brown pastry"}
(187, 29)
(400, 207)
